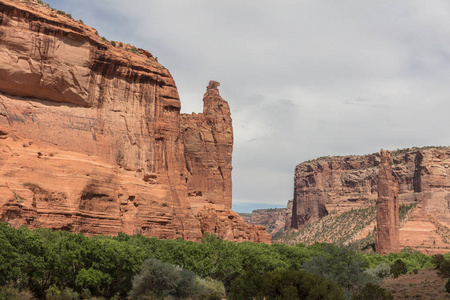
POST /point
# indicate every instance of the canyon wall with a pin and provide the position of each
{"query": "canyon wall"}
(275, 220)
(92, 139)
(337, 184)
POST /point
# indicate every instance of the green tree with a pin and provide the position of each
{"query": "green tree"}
(372, 292)
(92, 280)
(341, 265)
(444, 268)
(291, 284)
(398, 268)
(437, 260)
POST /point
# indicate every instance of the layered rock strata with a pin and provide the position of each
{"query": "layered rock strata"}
(337, 184)
(387, 233)
(208, 144)
(333, 185)
(275, 220)
(92, 140)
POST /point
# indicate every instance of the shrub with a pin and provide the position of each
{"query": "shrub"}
(444, 268)
(54, 293)
(398, 268)
(381, 271)
(341, 265)
(162, 279)
(209, 289)
(294, 284)
(447, 286)
(287, 284)
(372, 292)
(113, 43)
(9, 292)
(437, 260)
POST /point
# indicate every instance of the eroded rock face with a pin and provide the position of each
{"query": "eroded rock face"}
(338, 184)
(387, 233)
(275, 220)
(91, 138)
(333, 185)
(208, 144)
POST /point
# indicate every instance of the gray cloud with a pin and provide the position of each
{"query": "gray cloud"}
(303, 79)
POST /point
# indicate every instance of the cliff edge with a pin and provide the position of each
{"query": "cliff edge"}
(92, 139)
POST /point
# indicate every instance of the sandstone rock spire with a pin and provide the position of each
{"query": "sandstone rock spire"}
(387, 234)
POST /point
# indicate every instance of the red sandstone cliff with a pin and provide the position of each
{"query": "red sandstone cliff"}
(92, 141)
(275, 220)
(332, 185)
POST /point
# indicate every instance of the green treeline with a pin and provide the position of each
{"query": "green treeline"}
(46, 262)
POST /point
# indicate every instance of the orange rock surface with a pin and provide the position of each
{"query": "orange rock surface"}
(275, 220)
(337, 184)
(92, 140)
(387, 233)
(332, 185)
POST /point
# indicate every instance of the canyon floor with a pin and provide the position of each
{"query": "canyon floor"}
(426, 284)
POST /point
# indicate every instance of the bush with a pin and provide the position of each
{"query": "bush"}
(288, 284)
(9, 292)
(444, 268)
(341, 265)
(293, 284)
(162, 279)
(54, 293)
(447, 286)
(398, 268)
(437, 260)
(372, 292)
(381, 271)
(209, 289)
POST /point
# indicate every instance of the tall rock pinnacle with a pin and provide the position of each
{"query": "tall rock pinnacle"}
(387, 234)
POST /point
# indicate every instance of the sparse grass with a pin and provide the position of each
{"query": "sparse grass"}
(342, 229)
(18, 197)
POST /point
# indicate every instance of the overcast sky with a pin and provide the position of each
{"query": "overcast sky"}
(303, 78)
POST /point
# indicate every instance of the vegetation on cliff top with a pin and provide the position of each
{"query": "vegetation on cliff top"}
(393, 153)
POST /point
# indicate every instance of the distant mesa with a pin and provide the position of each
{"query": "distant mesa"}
(332, 191)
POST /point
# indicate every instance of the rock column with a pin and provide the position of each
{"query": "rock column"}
(387, 234)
